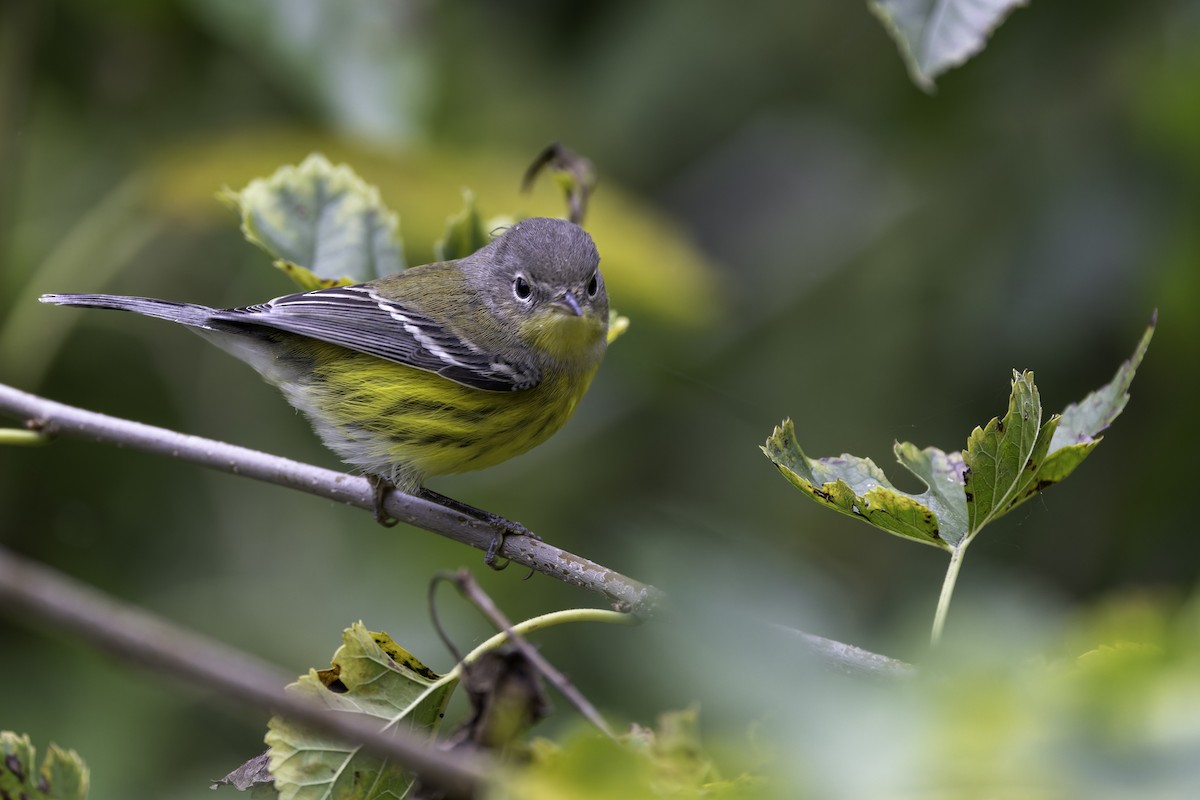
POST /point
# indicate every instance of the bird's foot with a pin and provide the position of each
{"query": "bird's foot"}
(381, 487)
(502, 526)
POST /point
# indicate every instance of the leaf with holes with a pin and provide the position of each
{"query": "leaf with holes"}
(62, 776)
(1079, 426)
(371, 676)
(857, 487)
(1006, 462)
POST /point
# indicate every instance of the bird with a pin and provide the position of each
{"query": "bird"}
(438, 369)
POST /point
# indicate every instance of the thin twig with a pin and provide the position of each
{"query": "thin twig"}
(943, 606)
(851, 660)
(472, 591)
(30, 589)
(436, 620)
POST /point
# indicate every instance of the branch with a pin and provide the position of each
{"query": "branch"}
(850, 660)
(51, 418)
(56, 419)
(27, 588)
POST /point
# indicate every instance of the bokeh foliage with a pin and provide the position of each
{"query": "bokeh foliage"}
(840, 247)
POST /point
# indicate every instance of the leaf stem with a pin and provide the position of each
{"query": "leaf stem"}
(544, 621)
(20, 436)
(471, 590)
(943, 606)
(524, 627)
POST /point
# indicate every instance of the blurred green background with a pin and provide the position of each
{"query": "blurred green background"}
(793, 228)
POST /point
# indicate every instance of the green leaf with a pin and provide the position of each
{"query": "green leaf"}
(323, 219)
(63, 775)
(464, 232)
(997, 454)
(857, 487)
(942, 472)
(936, 35)
(365, 69)
(669, 761)
(1006, 462)
(1083, 421)
(371, 676)
(1030, 482)
(1080, 424)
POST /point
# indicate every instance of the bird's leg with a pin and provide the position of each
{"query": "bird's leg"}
(502, 526)
(380, 487)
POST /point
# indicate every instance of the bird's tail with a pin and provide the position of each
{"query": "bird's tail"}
(184, 313)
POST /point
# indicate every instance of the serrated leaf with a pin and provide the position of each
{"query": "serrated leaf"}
(997, 454)
(62, 776)
(1080, 424)
(935, 35)
(1083, 421)
(1030, 482)
(372, 676)
(323, 218)
(1006, 462)
(857, 487)
(464, 232)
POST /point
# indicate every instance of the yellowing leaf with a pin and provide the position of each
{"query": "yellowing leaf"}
(1007, 461)
(62, 776)
(372, 676)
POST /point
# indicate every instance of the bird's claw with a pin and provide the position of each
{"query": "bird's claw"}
(504, 528)
(380, 488)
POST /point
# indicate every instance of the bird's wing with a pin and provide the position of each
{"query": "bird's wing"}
(359, 318)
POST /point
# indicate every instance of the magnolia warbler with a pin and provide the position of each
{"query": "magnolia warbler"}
(439, 369)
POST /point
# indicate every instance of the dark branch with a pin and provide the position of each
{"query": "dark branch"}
(29, 589)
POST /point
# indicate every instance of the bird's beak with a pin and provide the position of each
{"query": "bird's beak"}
(569, 302)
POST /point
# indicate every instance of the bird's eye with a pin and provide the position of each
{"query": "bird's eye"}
(521, 288)
(594, 284)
